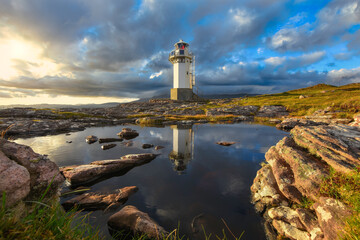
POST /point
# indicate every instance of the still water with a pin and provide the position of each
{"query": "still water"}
(193, 182)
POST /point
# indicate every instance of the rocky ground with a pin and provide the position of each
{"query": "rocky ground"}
(293, 174)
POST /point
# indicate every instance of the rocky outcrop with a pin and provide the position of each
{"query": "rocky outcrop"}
(26, 174)
(130, 219)
(88, 173)
(96, 201)
(289, 123)
(295, 169)
(272, 111)
(356, 122)
(235, 110)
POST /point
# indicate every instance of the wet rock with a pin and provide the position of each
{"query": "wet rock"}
(225, 143)
(332, 215)
(91, 139)
(147, 145)
(107, 140)
(159, 147)
(68, 141)
(130, 219)
(128, 144)
(96, 201)
(128, 133)
(108, 146)
(265, 191)
(41, 170)
(77, 175)
(272, 111)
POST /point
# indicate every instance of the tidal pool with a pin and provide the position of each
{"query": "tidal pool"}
(193, 183)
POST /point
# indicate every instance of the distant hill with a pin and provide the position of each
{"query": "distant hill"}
(56, 106)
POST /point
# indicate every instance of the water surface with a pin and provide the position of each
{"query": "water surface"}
(193, 182)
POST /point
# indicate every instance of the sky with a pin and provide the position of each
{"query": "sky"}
(95, 51)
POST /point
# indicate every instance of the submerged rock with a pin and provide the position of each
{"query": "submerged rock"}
(130, 219)
(107, 140)
(147, 145)
(99, 169)
(96, 201)
(225, 143)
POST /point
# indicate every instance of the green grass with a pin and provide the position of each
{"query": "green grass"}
(346, 188)
(344, 99)
(40, 220)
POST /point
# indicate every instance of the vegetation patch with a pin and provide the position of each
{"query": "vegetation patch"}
(346, 188)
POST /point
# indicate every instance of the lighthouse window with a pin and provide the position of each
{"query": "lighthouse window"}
(182, 52)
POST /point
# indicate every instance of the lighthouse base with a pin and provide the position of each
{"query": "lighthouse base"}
(183, 94)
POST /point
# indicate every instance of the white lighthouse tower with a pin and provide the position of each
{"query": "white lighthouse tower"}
(183, 72)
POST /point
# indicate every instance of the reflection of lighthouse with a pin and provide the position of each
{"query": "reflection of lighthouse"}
(183, 145)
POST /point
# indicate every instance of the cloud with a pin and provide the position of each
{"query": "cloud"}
(331, 22)
(344, 76)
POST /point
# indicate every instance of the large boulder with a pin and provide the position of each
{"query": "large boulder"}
(14, 180)
(131, 219)
(36, 172)
(128, 133)
(81, 174)
(96, 201)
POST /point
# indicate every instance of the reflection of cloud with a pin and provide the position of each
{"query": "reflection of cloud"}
(233, 186)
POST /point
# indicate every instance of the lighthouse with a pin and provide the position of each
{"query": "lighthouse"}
(183, 72)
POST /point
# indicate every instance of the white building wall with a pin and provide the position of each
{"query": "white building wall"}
(181, 74)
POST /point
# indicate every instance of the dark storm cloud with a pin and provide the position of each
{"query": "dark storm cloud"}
(332, 22)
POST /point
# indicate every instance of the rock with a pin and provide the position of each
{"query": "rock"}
(289, 123)
(68, 141)
(303, 96)
(91, 139)
(14, 180)
(332, 215)
(265, 191)
(77, 175)
(42, 171)
(356, 122)
(159, 147)
(310, 221)
(287, 215)
(284, 175)
(26, 171)
(225, 143)
(272, 111)
(235, 110)
(308, 171)
(128, 133)
(107, 146)
(147, 145)
(96, 201)
(337, 145)
(107, 140)
(130, 219)
(128, 144)
(288, 230)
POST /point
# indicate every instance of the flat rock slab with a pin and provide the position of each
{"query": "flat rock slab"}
(108, 146)
(88, 173)
(131, 219)
(96, 201)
